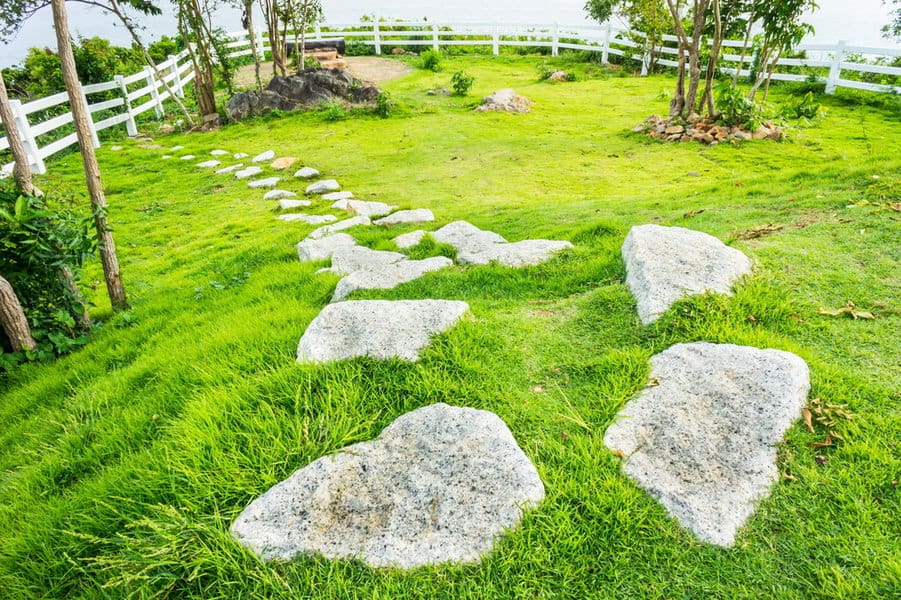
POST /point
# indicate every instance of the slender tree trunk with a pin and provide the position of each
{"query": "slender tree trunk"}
(694, 56)
(761, 69)
(203, 77)
(677, 104)
(80, 117)
(769, 75)
(22, 167)
(707, 96)
(254, 51)
(744, 49)
(13, 320)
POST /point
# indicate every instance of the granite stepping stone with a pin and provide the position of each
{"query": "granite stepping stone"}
(248, 172)
(407, 217)
(440, 484)
(288, 204)
(341, 204)
(702, 439)
(466, 237)
(339, 226)
(209, 164)
(323, 248)
(516, 254)
(337, 196)
(278, 194)
(218, 152)
(355, 258)
(264, 157)
(265, 183)
(321, 187)
(176, 148)
(308, 219)
(306, 173)
(282, 163)
(240, 155)
(408, 240)
(388, 276)
(165, 157)
(665, 264)
(230, 169)
(188, 157)
(368, 209)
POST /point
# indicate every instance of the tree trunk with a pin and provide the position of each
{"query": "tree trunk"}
(694, 56)
(254, 51)
(13, 320)
(203, 77)
(22, 167)
(677, 104)
(80, 117)
(744, 49)
(707, 96)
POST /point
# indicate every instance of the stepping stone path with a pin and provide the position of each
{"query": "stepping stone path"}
(466, 237)
(312, 249)
(264, 157)
(308, 219)
(230, 169)
(341, 204)
(240, 155)
(367, 209)
(288, 204)
(248, 172)
(176, 148)
(419, 215)
(209, 164)
(354, 258)
(388, 276)
(188, 157)
(285, 162)
(339, 226)
(665, 264)
(218, 152)
(165, 157)
(265, 183)
(321, 187)
(408, 240)
(115, 148)
(337, 196)
(440, 484)
(702, 440)
(278, 194)
(517, 254)
(306, 173)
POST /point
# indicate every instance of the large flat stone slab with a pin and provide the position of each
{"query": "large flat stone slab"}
(278, 194)
(666, 264)
(308, 219)
(248, 172)
(264, 183)
(322, 249)
(306, 173)
(702, 440)
(381, 329)
(515, 254)
(407, 217)
(339, 226)
(367, 209)
(354, 258)
(263, 157)
(289, 203)
(332, 196)
(408, 240)
(208, 164)
(466, 237)
(230, 169)
(388, 276)
(440, 484)
(323, 186)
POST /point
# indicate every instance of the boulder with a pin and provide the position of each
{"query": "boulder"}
(278, 194)
(306, 173)
(264, 183)
(440, 485)
(208, 164)
(505, 100)
(466, 237)
(408, 240)
(557, 76)
(331, 196)
(230, 169)
(339, 226)
(407, 217)
(355, 258)
(368, 209)
(517, 254)
(285, 162)
(264, 157)
(321, 187)
(287, 204)
(702, 439)
(248, 172)
(388, 276)
(665, 264)
(308, 219)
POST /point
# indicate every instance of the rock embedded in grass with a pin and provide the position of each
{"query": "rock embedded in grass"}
(218, 152)
(282, 163)
(339, 226)
(368, 209)
(355, 258)
(331, 196)
(515, 254)
(308, 219)
(666, 264)
(466, 237)
(278, 194)
(323, 248)
(288, 204)
(264, 183)
(321, 187)
(248, 172)
(306, 173)
(188, 157)
(408, 240)
(505, 100)
(388, 276)
(264, 156)
(230, 169)
(702, 439)
(407, 217)
(440, 484)
(208, 164)
(240, 155)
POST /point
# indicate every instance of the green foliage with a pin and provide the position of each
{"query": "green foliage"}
(544, 71)
(36, 244)
(735, 107)
(161, 49)
(803, 107)
(430, 60)
(385, 105)
(462, 83)
(892, 30)
(333, 111)
(358, 48)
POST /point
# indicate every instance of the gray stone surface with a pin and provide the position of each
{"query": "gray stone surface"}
(466, 237)
(516, 254)
(248, 172)
(165, 157)
(339, 226)
(208, 164)
(368, 209)
(665, 264)
(264, 183)
(322, 249)
(278, 194)
(264, 157)
(308, 219)
(288, 203)
(188, 157)
(505, 100)
(230, 169)
(406, 217)
(702, 440)
(321, 187)
(354, 258)
(218, 152)
(240, 155)
(408, 240)
(306, 173)
(440, 484)
(337, 196)
(176, 148)
(340, 204)
(388, 276)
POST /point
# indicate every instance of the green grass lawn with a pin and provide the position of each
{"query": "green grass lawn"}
(123, 464)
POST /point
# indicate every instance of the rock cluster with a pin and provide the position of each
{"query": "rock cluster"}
(695, 129)
(505, 100)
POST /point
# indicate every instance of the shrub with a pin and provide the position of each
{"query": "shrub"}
(736, 108)
(804, 107)
(462, 83)
(385, 105)
(334, 111)
(430, 60)
(357, 48)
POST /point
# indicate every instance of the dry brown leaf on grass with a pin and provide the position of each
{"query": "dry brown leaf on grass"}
(693, 213)
(759, 231)
(848, 309)
(808, 418)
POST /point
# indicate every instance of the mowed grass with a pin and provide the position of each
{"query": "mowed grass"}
(124, 464)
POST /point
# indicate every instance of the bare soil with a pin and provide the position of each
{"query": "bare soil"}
(367, 68)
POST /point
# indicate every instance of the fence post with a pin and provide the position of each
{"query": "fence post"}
(555, 41)
(835, 70)
(318, 33)
(261, 50)
(496, 43)
(154, 93)
(435, 37)
(28, 139)
(605, 55)
(94, 139)
(377, 38)
(130, 126)
(645, 63)
(176, 77)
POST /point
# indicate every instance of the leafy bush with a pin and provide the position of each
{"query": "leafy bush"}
(462, 83)
(385, 105)
(804, 107)
(334, 111)
(736, 108)
(544, 71)
(430, 60)
(40, 250)
(358, 48)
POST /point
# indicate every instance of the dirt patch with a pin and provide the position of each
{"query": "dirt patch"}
(367, 68)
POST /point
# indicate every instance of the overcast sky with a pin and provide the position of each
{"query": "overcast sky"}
(857, 21)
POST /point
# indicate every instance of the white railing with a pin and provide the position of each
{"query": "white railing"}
(138, 93)
(606, 39)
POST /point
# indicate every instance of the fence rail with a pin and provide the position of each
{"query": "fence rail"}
(607, 39)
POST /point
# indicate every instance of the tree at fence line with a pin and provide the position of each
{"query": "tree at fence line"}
(782, 30)
(21, 163)
(650, 17)
(301, 14)
(247, 23)
(194, 25)
(892, 30)
(271, 11)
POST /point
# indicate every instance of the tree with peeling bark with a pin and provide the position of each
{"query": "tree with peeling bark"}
(22, 164)
(12, 319)
(271, 12)
(194, 27)
(247, 23)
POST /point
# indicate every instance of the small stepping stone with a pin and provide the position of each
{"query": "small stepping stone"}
(176, 148)
(408, 240)
(218, 152)
(419, 215)
(230, 169)
(466, 237)
(355, 258)
(440, 484)
(702, 440)
(368, 209)
(289, 204)
(380, 329)
(308, 219)
(307, 173)
(188, 157)
(665, 264)
(337, 196)
(322, 249)
(240, 155)
(321, 187)
(340, 204)
(264, 157)
(388, 276)
(278, 195)
(165, 157)
(265, 183)
(209, 164)
(339, 226)
(285, 162)
(248, 172)
(115, 148)
(517, 254)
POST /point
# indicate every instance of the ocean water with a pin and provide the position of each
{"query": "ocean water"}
(858, 22)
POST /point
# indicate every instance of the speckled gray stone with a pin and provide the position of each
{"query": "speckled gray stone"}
(388, 276)
(440, 484)
(406, 217)
(515, 254)
(702, 440)
(264, 183)
(466, 237)
(354, 258)
(368, 209)
(188, 157)
(322, 249)
(340, 204)
(337, 196)
(665, 264)
(308, 219)
(248, 172)
(230, 169)
(264, 157)
(339, 226)
(208, 164)
(306, 173)
(278, 194)
(408, 240)
(288, 203)
(218, 152)
(321, 187)
(240, 155)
